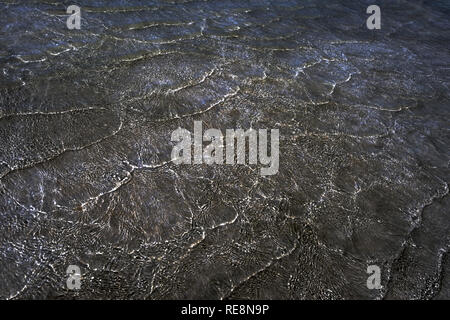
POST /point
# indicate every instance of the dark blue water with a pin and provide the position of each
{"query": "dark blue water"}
(85, 123)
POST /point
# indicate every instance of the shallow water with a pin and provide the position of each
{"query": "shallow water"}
(85, 123)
